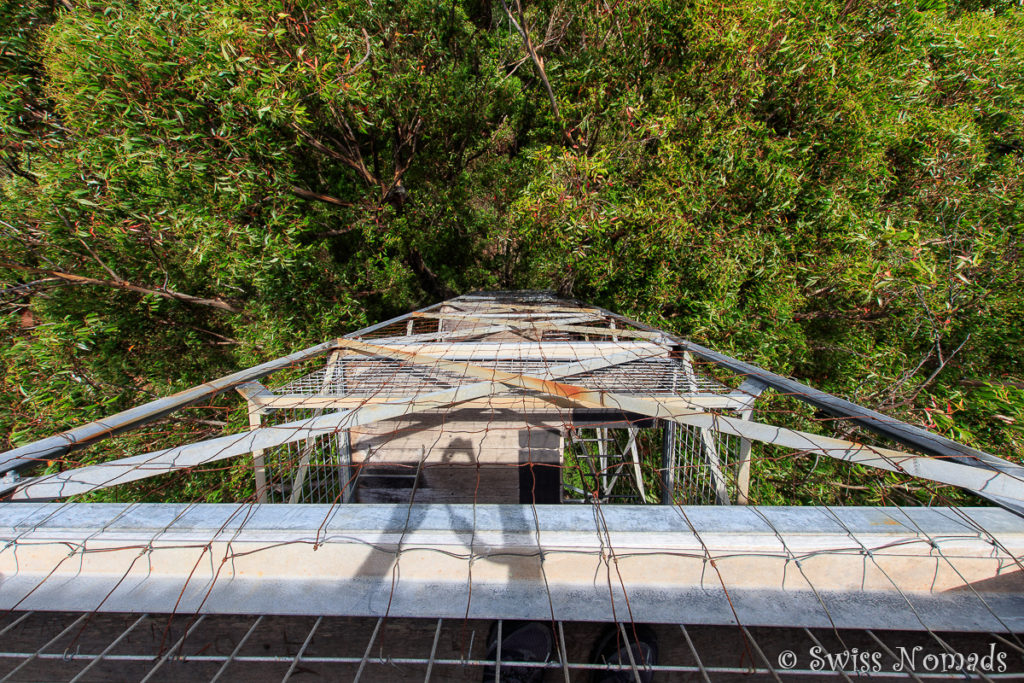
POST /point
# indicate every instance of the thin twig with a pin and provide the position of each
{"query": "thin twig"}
(537, 61)
(942, 364)
(165, 293)
(355, 68)
(316, 196)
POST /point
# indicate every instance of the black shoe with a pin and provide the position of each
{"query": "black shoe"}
(521, 641)
(611, 650)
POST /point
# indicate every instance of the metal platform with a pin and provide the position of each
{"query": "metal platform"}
(501, 456)
(258, 649)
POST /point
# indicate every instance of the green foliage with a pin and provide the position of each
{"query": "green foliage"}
(832, 189)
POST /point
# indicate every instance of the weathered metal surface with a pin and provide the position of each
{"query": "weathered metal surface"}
(1004, 483)
(79, 437)
(123, 470)
(922, 568)
(907, 434)
(817, 567)
(1007, 483)
(753, 388)
(84, 479)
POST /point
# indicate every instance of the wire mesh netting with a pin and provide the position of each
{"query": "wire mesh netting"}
(591, 443)
(362, 377)
(62, 646)
(316, 470)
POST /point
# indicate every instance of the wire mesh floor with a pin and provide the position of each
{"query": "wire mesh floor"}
(354, 376)
(124, 647)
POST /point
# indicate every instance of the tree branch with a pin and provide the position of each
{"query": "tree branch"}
(428, 279)
(537, 61)
(351, 156)
(942, 364)
(325, 198)
(117, 278)
(13, 166)
(366, 37)
(164, 293)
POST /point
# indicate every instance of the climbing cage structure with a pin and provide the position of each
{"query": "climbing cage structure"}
(398, 496)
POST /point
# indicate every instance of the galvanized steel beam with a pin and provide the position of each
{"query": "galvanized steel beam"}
(890, 427)
(79, 437)
(1005, 483)
(907, 434)
(915, 568)
(123, 470)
